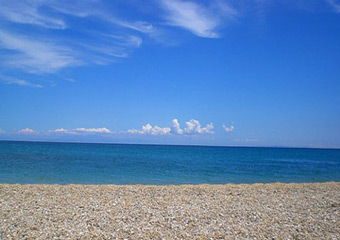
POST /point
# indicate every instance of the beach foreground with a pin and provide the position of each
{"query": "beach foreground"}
(257, 211)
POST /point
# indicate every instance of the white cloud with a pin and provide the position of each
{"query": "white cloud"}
(27, 51)
(62, 130)
(117, 52)
(192, 127)
(228, 129)
(27, 12)
(140, 26)
(160, 130)
(81, 131)
(148, 129)
(26, 131)
(40, 52)
(20, 82)
(77, 8)
(93, 130)
(133, 131)
(175, 128)
(129, 40)
(201, 20)
(35, 56)
(84, 9)
(36, 50)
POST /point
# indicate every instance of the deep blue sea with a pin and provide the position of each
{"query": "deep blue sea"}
(81, 163)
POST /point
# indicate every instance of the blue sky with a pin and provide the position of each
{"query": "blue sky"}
(235, 73)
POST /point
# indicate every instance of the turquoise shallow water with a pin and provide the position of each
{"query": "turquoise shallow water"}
(65, 163)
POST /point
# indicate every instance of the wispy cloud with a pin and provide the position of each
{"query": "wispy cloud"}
(201, 20)
(335, 5)
(27, 12)
(88, 8)
(193, 127)
(228, 129)
(46, 36)
(20, 82)
(46, 52)
(140, 26)
(128, 40)
(35, 56)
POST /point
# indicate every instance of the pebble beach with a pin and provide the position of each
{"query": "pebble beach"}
(255, 211)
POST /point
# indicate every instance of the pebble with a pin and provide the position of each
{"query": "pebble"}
(256, 211)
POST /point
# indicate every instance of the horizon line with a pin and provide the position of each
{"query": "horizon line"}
(164, 144)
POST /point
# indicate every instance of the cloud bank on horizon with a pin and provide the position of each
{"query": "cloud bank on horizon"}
(193, 127)
(45, 37)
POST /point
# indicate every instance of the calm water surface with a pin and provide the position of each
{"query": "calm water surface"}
(65, 163)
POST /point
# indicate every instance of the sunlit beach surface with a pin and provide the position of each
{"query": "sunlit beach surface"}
(256, 211)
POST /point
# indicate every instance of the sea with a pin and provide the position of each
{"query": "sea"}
(87, 163)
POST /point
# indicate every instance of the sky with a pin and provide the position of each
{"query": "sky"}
(226, 73)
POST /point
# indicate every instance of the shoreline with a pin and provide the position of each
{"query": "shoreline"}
(223, 211)
(168, 185)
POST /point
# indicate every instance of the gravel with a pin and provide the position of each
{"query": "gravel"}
(256, 211)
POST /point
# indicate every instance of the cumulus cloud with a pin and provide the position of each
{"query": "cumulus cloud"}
(192, 127)
(153, 130)
(228, 129)
(26, 131)
(82, 130)
(201, 20)
(175, 128)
